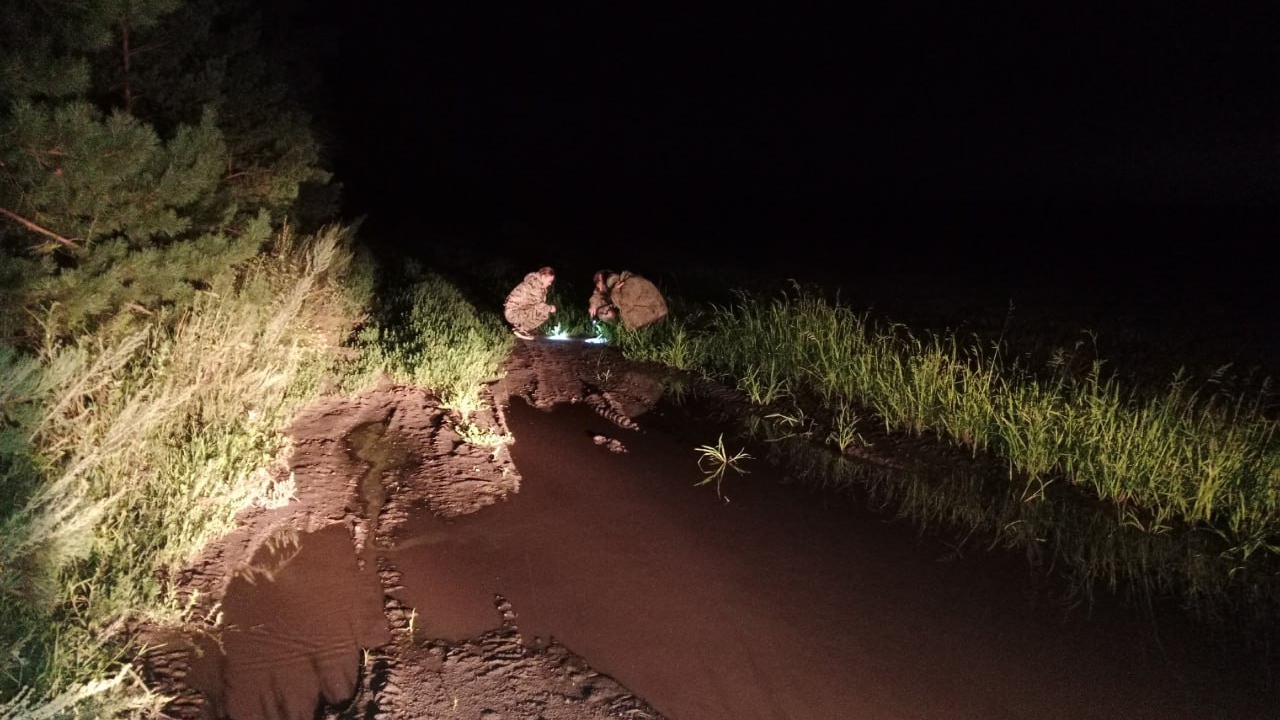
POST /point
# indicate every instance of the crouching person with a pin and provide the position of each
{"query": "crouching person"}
(628, 297)
(600, 307)
(526, 307)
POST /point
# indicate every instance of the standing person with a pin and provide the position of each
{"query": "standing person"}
(526, 307)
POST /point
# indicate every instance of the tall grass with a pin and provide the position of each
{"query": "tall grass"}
(1184, 459)
(130, 447)
(429, 334)
(571, 316)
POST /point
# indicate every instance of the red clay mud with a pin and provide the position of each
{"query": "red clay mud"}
(577, 572)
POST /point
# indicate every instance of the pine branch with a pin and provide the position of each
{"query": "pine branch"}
(244, 173)
(66, 242)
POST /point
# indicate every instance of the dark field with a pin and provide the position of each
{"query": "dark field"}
(1149, 290)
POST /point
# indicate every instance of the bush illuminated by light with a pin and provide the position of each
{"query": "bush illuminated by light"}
(560, 333)
(600, 335)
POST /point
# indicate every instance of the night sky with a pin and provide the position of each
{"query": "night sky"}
(1131, 139)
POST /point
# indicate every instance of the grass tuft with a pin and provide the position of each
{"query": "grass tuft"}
(1182, 484)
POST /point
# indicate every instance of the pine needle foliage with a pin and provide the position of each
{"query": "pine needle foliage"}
(143, 145)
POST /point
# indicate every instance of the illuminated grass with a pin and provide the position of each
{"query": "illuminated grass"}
(714, 461)
(134, 446)
(570, 318)
(430, 335)
(1181, 462)
(671, 342)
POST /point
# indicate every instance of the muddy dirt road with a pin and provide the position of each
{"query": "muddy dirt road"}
(579, 573)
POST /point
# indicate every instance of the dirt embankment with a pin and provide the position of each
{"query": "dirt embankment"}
(283, 620)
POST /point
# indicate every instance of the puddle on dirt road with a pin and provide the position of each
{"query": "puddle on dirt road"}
(296, 621)
(779, 603)
(371, 444)
(293, 630)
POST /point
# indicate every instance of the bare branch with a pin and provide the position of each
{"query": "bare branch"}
(66, 242)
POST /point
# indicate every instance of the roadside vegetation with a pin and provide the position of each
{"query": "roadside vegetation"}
(425, 332)
(171, 293)
(133, 444)
(1151, 489)
(129, 445)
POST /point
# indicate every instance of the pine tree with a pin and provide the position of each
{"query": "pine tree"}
(213, 53)
(75, 177)
(144, 146)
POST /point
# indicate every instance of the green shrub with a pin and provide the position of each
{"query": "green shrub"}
(428, 334)
(131, 450)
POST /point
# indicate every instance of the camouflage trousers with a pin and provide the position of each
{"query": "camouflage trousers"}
(526, 318)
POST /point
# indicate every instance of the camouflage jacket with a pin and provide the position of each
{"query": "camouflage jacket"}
(638, 300)
(599, 300)
(526, 305)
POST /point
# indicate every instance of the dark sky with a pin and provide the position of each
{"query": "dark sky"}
(900, 127)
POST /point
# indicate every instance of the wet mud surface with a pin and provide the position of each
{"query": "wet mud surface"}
(578, 572)
(294, 626)
(778, 603)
